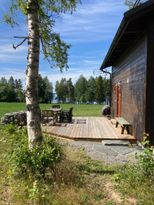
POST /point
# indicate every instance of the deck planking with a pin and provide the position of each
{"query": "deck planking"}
(88, 128)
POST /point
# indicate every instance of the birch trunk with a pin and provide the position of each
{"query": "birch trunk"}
(32, 104)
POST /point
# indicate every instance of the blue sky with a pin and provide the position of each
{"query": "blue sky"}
(89, 30)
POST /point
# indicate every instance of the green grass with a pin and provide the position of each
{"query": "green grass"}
(78, 110)
(77, 180)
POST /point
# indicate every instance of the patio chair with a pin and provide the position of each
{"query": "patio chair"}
(66, 115)
(47, 116)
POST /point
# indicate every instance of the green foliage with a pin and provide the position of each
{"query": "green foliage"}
(65, 90)
(10, 129)
(11, 90)
(54, 49)
(146, 160)
(76, 179)
(131, 181)
(100, 90)
(61, 90)
(70, 91)
(91, 89)
(26, 163)
(137, 180)
(143, 169)
(45, 90)
(19, 90)
(80, 89)
(95, 167)
(31, 180)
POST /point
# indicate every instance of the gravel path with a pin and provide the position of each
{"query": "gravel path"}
(113, 153)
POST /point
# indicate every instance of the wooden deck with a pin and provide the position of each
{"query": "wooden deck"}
(88, 128)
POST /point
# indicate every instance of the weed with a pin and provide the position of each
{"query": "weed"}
(98, 197)
(109, 203)
(131, 181)
(95, 167)
(84, 198)
(26, 163)
(146, 160)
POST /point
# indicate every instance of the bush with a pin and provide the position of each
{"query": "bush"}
(35, 163)
(146, 160)
(34, 177)
(142, 170)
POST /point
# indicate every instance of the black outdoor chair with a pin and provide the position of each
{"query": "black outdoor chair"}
(47, 116)
(66, 115)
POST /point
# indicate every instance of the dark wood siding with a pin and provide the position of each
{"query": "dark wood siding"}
(150, 83)
(130, 73)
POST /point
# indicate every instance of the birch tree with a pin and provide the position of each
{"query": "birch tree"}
(40, 16)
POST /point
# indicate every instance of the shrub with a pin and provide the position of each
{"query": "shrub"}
(146, 160)
(35, 163)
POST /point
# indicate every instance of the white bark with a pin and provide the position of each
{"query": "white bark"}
(33, 110)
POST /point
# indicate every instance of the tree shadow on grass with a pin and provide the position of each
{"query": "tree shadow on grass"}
(91, 168)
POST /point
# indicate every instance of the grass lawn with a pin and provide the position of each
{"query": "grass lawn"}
(78, 110)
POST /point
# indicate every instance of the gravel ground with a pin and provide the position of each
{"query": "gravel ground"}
(112, 153)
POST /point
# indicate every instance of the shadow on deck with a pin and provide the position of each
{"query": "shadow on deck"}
(88, 128)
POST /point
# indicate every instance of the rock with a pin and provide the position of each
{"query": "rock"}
(18, 118)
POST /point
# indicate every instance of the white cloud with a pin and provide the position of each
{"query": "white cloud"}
(8, 48)
(8, 54)
(90, 30)
(91, 62)
(16, 73)
(73, 74)
(92, 21)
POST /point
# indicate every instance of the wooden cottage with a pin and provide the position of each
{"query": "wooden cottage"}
(131, 56)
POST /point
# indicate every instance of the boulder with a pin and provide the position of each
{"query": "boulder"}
(18, 118)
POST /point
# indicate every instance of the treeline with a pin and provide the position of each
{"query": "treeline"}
(12, 90)
(84, 90)
(45, 90)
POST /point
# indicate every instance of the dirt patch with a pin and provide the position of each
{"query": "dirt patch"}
(112, 194)
(131, 201)
(116, 197)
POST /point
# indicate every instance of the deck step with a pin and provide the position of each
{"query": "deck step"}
(116, 142)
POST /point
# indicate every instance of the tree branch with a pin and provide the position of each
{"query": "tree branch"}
(20, 36)
(25, 38)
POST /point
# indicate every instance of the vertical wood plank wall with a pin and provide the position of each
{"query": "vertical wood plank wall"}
(150, 83)
(130, 73)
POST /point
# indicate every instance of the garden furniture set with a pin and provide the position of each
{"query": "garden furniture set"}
(56, 115)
